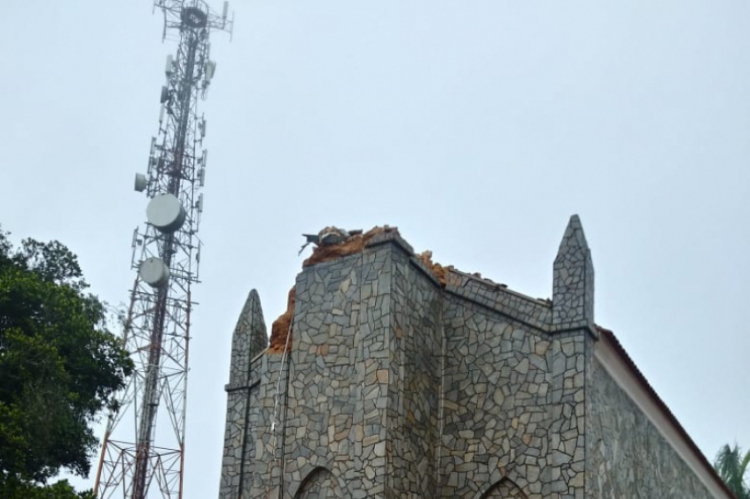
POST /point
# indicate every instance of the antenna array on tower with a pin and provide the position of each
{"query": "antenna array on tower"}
(142, 454)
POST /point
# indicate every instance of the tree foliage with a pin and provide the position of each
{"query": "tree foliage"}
(60, 490)
(59, 366)
(732, 466)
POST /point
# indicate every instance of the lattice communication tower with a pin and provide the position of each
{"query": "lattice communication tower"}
(142, 455)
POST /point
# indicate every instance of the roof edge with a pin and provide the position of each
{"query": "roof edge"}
(611, 340)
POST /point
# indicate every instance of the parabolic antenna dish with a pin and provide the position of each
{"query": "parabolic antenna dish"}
(153, 272)
(165, 213)
(140, 182)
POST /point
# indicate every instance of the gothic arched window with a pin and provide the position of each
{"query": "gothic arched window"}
(504, 489)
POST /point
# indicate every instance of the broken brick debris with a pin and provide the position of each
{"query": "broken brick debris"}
(282, 327)
(440, 272)
(350, 243)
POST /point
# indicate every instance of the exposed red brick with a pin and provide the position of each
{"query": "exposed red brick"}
(440, 272)
(354, 244)
(281, 327)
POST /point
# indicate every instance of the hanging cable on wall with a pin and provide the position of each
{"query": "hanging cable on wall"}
(274, 418)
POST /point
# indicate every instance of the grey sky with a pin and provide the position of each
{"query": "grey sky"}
(476, 127)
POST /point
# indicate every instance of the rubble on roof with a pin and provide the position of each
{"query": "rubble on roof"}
(332, 243)
(440, 272)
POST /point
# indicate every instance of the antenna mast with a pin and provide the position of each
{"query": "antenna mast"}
(142, 455)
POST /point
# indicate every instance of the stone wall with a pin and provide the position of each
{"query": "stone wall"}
(329, 384)
(415, 380)
(247, 465)
(627, 456)
(513, 406)
(364, 388)
(265, 424)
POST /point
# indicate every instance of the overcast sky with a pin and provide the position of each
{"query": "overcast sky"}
(476, 127)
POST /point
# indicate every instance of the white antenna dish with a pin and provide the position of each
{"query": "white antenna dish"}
(202, 176)
(140, 182)
(170, 67)
(165, 213)
(199, 204)
(205, 157)
(154, 272)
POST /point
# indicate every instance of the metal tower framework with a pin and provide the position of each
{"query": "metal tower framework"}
(143, 456)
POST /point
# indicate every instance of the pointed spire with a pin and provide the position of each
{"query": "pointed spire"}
(573, 280)
(249, 338)
(574, 236)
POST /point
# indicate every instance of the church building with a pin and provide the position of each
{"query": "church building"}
(393, 377)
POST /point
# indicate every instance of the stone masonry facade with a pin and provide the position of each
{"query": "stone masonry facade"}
(399, 385)
(621, 439)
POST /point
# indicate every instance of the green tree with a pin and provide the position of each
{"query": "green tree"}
(732, 466)
(59, 490)
(59, 367)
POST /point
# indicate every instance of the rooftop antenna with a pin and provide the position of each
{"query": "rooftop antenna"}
(137, 461)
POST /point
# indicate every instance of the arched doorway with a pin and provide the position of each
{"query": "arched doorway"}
(319, 484)
(504, 489)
